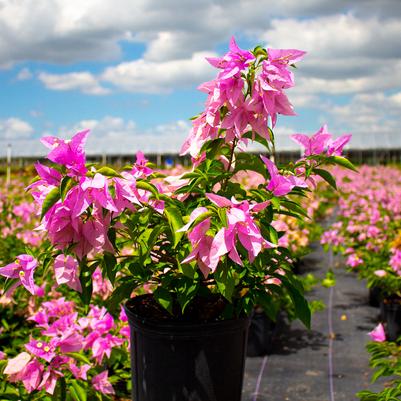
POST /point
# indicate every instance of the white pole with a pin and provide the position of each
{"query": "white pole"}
(8, 179)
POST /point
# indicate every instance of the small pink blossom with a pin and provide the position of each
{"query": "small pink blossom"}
(41, 350)
(23, 269)
(49, 380)
(69, 153)
(395, 261)
(80, 372)
(66, 272)
(140, 168)
(241, 225)
(17, 363)
(279, 184)
(200, 242)
(233, 62)
(353, 260)
(335, 147)
(101, 383)
(378, 334)
(30, 375)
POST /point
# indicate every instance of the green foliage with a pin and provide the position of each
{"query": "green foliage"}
(52, 197)
(329, 280)
(386, 360)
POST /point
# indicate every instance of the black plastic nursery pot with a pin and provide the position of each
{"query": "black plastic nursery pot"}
(261, 333)
(375, 296)
(186, 361)
(391, 312)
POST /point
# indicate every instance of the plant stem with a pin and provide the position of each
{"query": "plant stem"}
(63, 389)
(230, 161)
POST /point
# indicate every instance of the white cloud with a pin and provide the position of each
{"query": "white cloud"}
(337, 36)
(115, 135)
(15, 128)
(159, 77)
(109, 135)
(346, 53)
(83, 81)
(60, 31)
(24, 74)
(373, 119)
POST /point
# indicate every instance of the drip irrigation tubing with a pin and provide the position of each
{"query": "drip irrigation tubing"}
(256, 393)
(331, 333)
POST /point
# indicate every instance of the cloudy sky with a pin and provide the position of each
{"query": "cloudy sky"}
(128, 69)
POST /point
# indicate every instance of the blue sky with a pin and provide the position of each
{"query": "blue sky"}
(128, 69)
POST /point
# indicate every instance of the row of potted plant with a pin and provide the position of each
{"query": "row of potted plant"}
(385, 359)
(367, 232)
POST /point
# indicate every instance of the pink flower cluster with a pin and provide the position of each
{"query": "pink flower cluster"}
(321, 142)
(62, 332)
(395, 260)
(82, 219)
(267, 97)
(19, 214)
(367, 212)
(208, 250)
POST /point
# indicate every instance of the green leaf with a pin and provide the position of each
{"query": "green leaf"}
(79, 357)
(275, 202)
(326, 176)
(248, 161)
(192, 174)
(214, 147)
(175, 222)
(342, 161)
(8, 284)
(112, 236)
(225, 281)
(52, 197)
(234, 189)
(85, 278)
(141, 184)
(266, 301)
(293, 207)
(222, 212)
(109, 263)
(188, 269)
(302, 310)
(108, 172)
(164, 298)
(367, 395)
(254, 136)
(273, 234)
(187, 289)
(122, 292)
(77, 391)
(65, 185)
(259, 51)
(200, 218)
(154, 236)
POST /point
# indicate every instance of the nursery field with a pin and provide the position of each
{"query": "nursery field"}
(54, 345)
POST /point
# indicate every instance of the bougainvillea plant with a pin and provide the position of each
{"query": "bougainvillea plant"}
(198, 236)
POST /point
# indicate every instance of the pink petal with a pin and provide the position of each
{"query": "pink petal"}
(219, 200)
(16, 364)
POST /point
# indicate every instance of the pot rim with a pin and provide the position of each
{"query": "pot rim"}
(182, 328)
